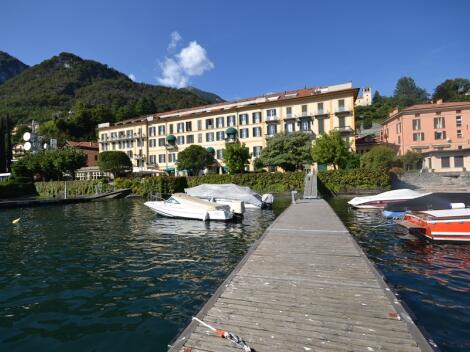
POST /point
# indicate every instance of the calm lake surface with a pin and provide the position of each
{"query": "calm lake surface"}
(111, 275)
(432, 279)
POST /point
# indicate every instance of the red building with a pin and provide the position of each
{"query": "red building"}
(89, 148)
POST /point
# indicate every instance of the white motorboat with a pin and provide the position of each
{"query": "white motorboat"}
(229, 193)
(181, 205)
(379, 201)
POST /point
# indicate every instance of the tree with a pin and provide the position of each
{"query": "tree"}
(331, 149)
(115, 162)
(236, 156)
(412, 160)
(407, 93)
(452, 90)
(5, 144)
(194, 158)
(70, 160)
(289, 151)
(379, 157)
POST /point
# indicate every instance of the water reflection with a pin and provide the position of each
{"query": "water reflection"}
(110, 275)
(432, 279)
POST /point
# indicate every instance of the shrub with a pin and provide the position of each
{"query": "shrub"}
(13, 188)
(343, 181)
(74, 188)
(380, 157)
(158, 184)
(115, 162)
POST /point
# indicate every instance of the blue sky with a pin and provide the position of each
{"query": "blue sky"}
(243, 48)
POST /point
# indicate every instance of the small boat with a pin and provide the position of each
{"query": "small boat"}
(379, 201)
(451, 225)
(431, 201)
(181, 205)
(229, 192)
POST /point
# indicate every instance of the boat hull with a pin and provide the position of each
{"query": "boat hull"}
(448, 230)
(176, 211)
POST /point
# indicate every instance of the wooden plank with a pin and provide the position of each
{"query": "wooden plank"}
(305, 286)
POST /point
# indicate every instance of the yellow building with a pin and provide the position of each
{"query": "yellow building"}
(153, 142)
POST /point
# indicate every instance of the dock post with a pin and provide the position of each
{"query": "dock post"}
(65, 189)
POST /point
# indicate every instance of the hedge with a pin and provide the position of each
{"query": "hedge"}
(74, 188)
(345, 181)
(262, 182)
(12, 189)
(158, 184)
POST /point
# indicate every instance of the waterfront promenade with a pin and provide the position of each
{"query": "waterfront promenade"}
(305, 285)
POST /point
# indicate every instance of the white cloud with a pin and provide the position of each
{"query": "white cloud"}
(192, 60)
(131, 76)
(175, 38)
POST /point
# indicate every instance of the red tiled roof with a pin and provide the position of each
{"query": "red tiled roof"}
(437, 106)
(82, 144)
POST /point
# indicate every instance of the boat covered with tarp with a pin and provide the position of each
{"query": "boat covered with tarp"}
(379, 201)
(228, 192)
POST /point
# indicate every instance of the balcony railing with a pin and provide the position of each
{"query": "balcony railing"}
(342, 110)
(272, 118)
(321, 112)
(139, 156)
(344, 129)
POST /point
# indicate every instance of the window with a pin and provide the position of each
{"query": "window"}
(418, 137)
(341, 122)
(171, 157)
(289, 127)
(199, 137)
(161, 158)
(152, 131)
(152, 143)
(243, 119)
(445, 162)
(289, 112)
(180, 127)
(439, 122)
(256, 131)
(189, 126)
(129, 154)
(458, 121)
(399, 140)
(398, 127)
(459, 133)
(161, 142)
(219, 154)
(271, 114)
(304, 110)
(199, 125)
(209, 124)
(416, 124)
(458, 161)
(161, 130)
(209, 136)
(190, 139)
(440, 135)
(170, 128)
(256, 117)
(152, 159)
(341, 105)
(220, 136)
(244, 133)
(321, 126)
(257, 151)
(219, 122)
(231, 120)
(320, 108)
(417, 115)
(305, 125)
(180, 140)
(272, 129)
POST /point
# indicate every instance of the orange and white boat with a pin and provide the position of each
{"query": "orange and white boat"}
(451, 225)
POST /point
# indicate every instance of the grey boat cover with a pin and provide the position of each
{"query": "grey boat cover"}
(227, 191)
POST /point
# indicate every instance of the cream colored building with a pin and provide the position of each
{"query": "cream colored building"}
(153, 142)
(366, 98)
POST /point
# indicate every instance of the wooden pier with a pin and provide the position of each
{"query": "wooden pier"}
(305, 285)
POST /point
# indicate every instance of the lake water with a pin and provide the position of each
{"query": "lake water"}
(111, 275)
(432, 279)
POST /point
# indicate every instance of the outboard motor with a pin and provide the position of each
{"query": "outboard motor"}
(267, 200)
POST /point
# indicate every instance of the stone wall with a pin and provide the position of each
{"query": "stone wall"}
(434, 182)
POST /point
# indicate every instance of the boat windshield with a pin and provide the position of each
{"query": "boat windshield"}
(172, 200)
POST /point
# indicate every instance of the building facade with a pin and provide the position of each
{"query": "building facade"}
(438, 130)
(153, 142)
(366, 98)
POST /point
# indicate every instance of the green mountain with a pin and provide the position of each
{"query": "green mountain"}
(70, 96)
(211, 97)
(10, 66)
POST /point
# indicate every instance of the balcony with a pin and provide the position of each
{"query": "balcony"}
(289, 116)
(139, 135)
(321, 113)
(139, 157)
(272, 119)
(342, 110)
(344, 129)
(268, 136)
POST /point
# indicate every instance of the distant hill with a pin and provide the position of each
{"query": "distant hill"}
(73, 95)
(10, 66)
(211, 97)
